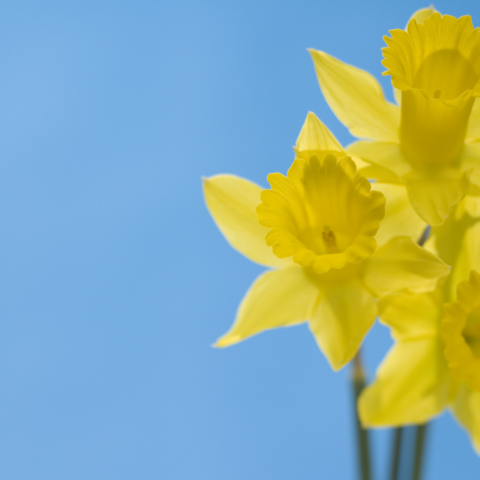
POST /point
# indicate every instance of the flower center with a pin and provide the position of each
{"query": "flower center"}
(445, 74)
(323, 213)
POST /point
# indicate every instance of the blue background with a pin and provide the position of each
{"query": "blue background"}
(114, 280)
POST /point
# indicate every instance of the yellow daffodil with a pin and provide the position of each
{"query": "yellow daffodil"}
(318, 228)
(431, 141)
(434, 363)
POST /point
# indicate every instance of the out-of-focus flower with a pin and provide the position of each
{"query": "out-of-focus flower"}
(431, 142)
(434, 361)
(317, 227)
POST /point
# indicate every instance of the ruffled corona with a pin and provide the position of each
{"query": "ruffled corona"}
(322, 213)
(437, 68)
(461, 332)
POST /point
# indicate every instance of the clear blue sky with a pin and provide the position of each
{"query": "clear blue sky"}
(115, 280)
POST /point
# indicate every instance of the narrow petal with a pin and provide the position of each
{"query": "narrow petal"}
(473, 129)
(432, 196)
(402, 264)
(466, 408)
(356, 98)
(422, 14)
(456, 242)
(232, 202)
(413, 384)
(344, 314)
(386, 155)
(278, 298)
(470, 161)
(411, 316)
(400, 218)
(314, 138)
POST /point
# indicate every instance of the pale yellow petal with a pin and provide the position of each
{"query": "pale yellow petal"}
(470, 162)
(402, 264)
(411, 316)
(344, 314)
(400, 218)
(232, 202)
(356, 98)
(432, 196)
(473, 129)
(422, 14)
(413, 385)
(386, 155)
(316, 138)
(466, 408)
(456, 242)
(278, 298)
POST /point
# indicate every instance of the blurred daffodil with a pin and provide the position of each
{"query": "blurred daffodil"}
(435, 361)
(319, 228)
(431, 141)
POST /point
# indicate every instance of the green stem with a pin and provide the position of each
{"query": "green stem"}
(358, 382)
(420, 435)
(396, 450)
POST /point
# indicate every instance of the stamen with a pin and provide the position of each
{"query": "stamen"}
(329, 239)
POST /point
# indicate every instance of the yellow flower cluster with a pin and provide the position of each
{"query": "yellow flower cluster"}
(342, 251)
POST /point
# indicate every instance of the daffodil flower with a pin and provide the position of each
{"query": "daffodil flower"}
(431, 141)
(435, 361)
(318, 229)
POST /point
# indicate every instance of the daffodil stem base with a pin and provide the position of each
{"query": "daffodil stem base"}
(420, 437)
(396, 451)
(363, 443)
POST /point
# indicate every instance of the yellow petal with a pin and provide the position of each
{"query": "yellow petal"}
(344, 314)
(473, 129)
(470, 162)
(316, 138)
(410, 315)
(401, 264)
(278, 298)
(461, 332)
(356, 98)
(432, 195)
(466, 408)
(400, 218)
(386, 155)
(456, 242)
(232, 202)
(422, 14)
(323, 213)
(413, 385)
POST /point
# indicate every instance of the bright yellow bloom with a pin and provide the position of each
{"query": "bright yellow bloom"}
(320, 223)
(461, 333)
(431, 142)
(434, 361)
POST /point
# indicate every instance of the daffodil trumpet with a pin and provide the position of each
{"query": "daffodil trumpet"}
(431, 141)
